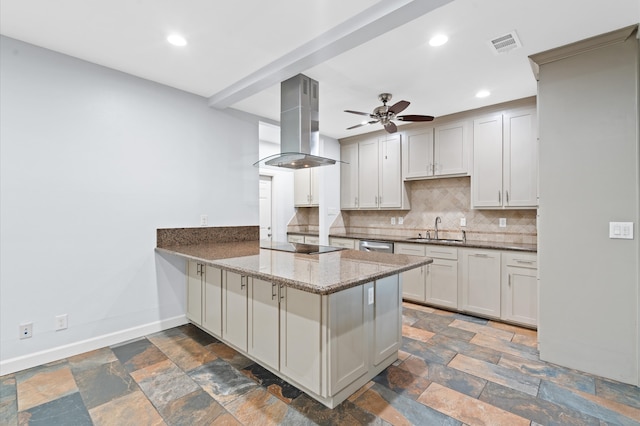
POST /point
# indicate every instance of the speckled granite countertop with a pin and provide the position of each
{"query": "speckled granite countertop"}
(317, 273)
(469, 244)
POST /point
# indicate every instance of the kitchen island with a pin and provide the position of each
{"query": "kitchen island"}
(327, 323)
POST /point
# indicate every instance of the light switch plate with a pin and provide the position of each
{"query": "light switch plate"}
(463, 221)
(371, 295)
(502, 223)
(204, 220)
(621, 230)
(400, 220)
(393, 220)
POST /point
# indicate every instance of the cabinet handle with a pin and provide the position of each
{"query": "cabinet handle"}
(380, 200)
(507, 193)
(509, 280)
(480, 255)
(273, 291)
(243, 283)
(528, 262)
(376, 200)
(281, 292)
(428, 269)
(499, 197)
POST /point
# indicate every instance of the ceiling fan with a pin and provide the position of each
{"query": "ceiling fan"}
(385, 114)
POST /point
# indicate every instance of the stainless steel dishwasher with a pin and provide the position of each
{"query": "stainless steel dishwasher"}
(384, 247)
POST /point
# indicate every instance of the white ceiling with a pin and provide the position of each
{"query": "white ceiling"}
(240, 50)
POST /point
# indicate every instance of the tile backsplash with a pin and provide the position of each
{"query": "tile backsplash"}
(449, 198)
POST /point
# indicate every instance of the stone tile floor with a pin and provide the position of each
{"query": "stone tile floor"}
(453, 369)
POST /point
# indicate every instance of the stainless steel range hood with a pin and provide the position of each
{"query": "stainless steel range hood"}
(299, 126)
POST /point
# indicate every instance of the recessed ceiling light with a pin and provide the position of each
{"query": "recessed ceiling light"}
(177, 40)
(438, 40)
(483, 94)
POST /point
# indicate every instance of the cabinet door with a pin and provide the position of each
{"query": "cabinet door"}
(314, 187)
(390, 173)
(347, 337)
(520, 295)
(450, 149)
(300, 336)
(212, 306)
(263, 322)
(343, 242)
(295, 238)
(413, 280)
(418, 153)
(194, 292)
(302, 187)
(486, 181)
(481, 282)
(520, 159)
(368, 174)
(442, 283)
(387, 319)
(349, 176)
(234, 310)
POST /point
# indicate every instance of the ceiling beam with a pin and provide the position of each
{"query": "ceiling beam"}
(361, 28)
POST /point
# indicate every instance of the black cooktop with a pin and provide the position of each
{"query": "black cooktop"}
(298, 247)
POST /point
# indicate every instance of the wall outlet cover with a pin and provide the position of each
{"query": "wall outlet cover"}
(463, 221)
(502, 223)
(393, 220)
(400, 220)
(25, 331)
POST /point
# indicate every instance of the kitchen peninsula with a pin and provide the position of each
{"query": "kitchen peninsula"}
(325, 322)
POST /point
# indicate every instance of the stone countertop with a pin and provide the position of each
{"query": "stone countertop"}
(468, 244)
(324, 273)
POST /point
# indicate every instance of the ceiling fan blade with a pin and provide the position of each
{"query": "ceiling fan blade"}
(391, 127)
(415, 118)
(357, 112)
(362, 124)
(398, 107)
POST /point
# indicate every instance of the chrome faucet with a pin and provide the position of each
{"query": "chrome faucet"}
(438, 220)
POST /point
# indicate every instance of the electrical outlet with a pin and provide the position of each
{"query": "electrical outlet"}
(502, 222)
(204, 220)
(25, 331)
(371, 295)
(400, 220)
(463, 221)
(393, 220)
(61, 322)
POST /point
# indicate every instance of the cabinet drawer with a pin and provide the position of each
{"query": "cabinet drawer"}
(311, 240)
(411, 249)
(441, 252)
(295, 238)
(343, 242)
(521, 260)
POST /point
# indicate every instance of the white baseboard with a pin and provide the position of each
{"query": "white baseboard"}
(38, 358)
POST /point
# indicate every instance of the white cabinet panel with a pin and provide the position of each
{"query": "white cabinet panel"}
(263, 322)
(387, 318)
(487, 162)
(442, 283)
(418, 153)
(390, 173)
(234, 310)
(349, 176)
(194, 292)
(212, 306)
(481, 282)
(305, 187)
(451, 149)
(368, 174)
(520, 288)
(300, 337)
(347, 337)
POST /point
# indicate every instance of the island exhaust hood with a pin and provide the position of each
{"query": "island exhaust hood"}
(299, 126)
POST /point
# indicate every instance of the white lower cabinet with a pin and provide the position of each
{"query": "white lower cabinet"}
(442, 277)
(435, 283)
(264, 322)
(295, 238)
(347, 243)
(328, 345)
(520, 288)
(234, 310)
(195, 278)
(212, 301)
(300, 337)
(481, 282)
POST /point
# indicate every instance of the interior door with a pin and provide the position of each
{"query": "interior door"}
(265, 208)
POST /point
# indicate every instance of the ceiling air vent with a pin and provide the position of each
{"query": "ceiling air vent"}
(505, 42)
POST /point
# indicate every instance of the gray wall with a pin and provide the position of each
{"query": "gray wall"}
(92, 162)
(589, 176)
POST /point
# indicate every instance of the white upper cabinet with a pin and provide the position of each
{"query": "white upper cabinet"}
(349, 176)
(306, 188)
(437, 151)
(374, 179)
(505, 160)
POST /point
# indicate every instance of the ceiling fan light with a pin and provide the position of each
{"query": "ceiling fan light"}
(482, 94)
(177, 40)
(438, 40)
